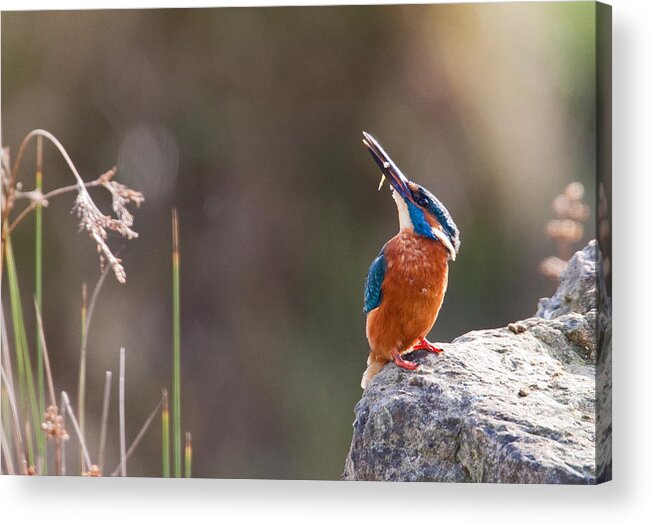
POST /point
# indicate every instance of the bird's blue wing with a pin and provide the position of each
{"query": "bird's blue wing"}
(373, 286)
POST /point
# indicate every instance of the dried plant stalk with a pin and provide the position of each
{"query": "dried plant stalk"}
(6, 453)
(137, 440)
(81, 389)
(80, 436)
(18, 439)
(104, 423)
(63, 443)
(38, 281)
(91, 218)
(123, 438)
(45, 355)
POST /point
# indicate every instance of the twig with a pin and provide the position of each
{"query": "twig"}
(123, 445)
(138, 438)
(66, 402)
(104, 424)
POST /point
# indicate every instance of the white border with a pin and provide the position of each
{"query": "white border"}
(626, 499)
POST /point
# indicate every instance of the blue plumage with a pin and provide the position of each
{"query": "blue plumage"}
(438, 210)
(373, 285)
(417, 217)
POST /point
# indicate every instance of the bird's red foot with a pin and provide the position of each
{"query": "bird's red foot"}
(402, 363)
(427, 346)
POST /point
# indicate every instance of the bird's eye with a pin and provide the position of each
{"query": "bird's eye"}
(423, 201)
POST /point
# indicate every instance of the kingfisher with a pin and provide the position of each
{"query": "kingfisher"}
(407, 281)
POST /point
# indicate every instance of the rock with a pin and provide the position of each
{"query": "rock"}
(515, 404)
(577, 288)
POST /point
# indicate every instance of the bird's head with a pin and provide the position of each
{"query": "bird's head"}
(418, 209)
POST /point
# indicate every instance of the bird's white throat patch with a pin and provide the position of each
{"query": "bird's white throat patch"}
(406, 224)
(403, 211)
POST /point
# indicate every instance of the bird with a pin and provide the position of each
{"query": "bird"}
(407, 281)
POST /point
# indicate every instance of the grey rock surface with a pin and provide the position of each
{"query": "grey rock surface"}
(577, 290)
(515, 404)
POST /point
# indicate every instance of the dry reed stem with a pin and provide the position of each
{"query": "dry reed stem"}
(123, 444)
(5, 453)
(46, 358)
(53, 424)
(81, 388)
(138, 438)
(8, 381)
(84, 449)
(38, 285)
(87, 317)
(6, 355)
(92, 219)
(18, 438)
(104, 424)
(63, 444)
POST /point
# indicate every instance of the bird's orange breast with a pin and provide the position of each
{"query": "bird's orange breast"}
(415, 281)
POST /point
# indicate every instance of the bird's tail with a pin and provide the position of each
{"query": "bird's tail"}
(373, 368)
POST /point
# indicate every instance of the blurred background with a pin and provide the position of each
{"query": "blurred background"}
(249, 122)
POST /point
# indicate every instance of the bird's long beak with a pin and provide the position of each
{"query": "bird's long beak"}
(388, 167)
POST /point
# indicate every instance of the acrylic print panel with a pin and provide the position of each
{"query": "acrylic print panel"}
(208, 307)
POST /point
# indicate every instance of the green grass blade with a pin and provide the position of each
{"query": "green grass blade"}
(25, 378)
(165, 423)
(7, 452)
(176, 386)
